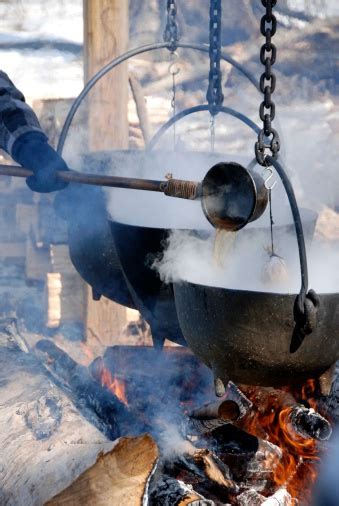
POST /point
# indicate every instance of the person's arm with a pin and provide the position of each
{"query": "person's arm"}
(21, 136)
(16, 117)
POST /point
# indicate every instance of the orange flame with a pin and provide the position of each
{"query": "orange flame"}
(271, 420)
(115, 385)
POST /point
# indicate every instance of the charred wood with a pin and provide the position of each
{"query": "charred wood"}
(215, 470)
(225, 409)
(231, 407)
(280, 498)
(45, 442)
(168, 491)
(251, 497)
(86, 393)
(329, 404)
(195, 427)
(252, 461)
(307, 423)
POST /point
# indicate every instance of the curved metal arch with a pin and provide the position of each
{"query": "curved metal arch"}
(191, 110)
(130, 54)
(297, 222)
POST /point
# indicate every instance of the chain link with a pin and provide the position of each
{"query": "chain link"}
(171, 33)
(174, 70)
(268, 138)
(214, 94)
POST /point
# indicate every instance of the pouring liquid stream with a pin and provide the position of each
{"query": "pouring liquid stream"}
(223, 247)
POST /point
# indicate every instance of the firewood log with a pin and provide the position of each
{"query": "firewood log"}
(118, 477)
(45, 442)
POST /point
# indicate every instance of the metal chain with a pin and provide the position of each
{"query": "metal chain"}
(214, 94)
(171, 33)
(174, 70)
(268, 138)
(212, 128)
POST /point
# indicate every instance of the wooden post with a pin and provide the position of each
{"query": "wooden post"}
(106, 37)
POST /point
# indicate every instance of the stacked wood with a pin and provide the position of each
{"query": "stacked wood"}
(65, 289)
(12, 250)
(105, 320)
(37, 260)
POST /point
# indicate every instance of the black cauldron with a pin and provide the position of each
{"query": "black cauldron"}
(247, 336)
(113, 250)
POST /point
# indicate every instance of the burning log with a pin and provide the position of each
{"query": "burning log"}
(252, 461)
(283, 420)
(307, 423)
(231, 407)
(215, 470)
(251, 497)
(301, 420)
(168, 491)
(45, 442)
(280, 498)
(211, 416)
(88, 395)
(118, 477)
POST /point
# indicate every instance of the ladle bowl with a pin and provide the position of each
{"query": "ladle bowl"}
(232, 196)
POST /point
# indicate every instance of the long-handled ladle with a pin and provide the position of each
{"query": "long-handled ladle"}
(231, 196)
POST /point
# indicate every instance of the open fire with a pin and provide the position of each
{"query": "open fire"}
(250, 446)
(288, 419)
(114, 385)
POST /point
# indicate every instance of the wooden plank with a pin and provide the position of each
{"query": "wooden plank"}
(27, 218)
(66, 291)
(105, 320)
(12, 249)
(37, 261)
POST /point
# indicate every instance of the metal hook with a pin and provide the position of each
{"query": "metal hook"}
(174, 67)
(270, 176)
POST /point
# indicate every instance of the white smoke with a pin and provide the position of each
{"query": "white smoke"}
(189, 257)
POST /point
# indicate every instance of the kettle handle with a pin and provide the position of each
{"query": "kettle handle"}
(307, 301)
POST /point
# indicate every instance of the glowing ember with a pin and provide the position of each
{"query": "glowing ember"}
(271, 420)
(115, 385)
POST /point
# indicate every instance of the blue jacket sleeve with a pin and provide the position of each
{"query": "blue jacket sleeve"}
(16, 117)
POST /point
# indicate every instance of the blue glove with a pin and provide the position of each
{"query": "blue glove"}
(32, 151)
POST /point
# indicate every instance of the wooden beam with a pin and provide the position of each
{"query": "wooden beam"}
(106, 37)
